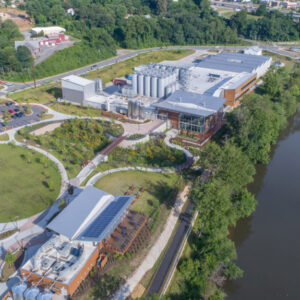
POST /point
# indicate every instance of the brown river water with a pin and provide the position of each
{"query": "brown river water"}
(268, 242)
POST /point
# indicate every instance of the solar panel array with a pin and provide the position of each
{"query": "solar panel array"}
(233, 62)
(98, 226)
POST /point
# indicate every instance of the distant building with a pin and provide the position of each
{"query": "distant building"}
(52, 30)
(254, 50)
(71, 12)
(81, 233)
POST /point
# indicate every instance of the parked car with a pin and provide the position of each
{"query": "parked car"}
(20, 114)
(16, 109)
(8, 103)
(11, 111)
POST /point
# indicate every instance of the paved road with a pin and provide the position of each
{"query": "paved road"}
(105, 63)
(170, 255)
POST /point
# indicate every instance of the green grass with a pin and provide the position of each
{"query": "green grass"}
(126, 67)
(69, 109)
(46, 116)
(42, 94)
(4, 137)
(158, 187)
(24, 187)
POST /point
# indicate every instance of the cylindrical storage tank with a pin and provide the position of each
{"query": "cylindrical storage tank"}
(181, 73)
(174, 87)
(18, 290)
(45, 296)
(134, 83)
(141, 84)
(154, 87)
(160, 87)
(147, 85)
(177, 72)
(168, 90)
(31, 293)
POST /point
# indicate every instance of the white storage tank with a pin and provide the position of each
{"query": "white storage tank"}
(18, 290)
(147, 85)
(160, 87)
(45, 296)
(154, 87)
(134, 83)
(31, 293)
(141, 84)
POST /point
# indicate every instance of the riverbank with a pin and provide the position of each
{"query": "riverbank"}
(266, 240)
(243, 143)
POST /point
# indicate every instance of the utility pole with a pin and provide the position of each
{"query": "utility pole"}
(33, 72)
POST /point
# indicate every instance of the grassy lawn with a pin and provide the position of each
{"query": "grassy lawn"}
(42, 94)
(158, 187)
(4, 137)
(25, 188)
(74, 142)
(81, 111)
(7, 270)
(47, 116)
(277, 57)
(126, 67)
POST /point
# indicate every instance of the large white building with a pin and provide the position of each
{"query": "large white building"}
(51, 30)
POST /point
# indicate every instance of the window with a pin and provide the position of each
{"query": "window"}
(192, 123)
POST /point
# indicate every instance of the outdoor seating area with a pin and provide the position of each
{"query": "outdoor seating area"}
(124, 235)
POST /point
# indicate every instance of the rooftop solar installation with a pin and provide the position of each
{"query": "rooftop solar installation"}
(100, 226)
(233, 62)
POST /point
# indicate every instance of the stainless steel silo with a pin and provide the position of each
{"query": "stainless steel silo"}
(147, 85)
(154, 87)
(160, 87)
(141, 84)
(134, 83)
(45, 296)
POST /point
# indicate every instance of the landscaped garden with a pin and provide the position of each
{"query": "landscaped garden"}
(154, 153)
(29, 183)
(75, 142)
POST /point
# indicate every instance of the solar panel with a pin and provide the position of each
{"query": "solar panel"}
(98, 226)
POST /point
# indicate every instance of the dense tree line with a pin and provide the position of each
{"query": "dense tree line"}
(250, 131)
(11, 58)
(272, 26)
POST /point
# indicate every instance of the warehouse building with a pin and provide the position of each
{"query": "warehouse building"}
(79, 233)
(51, 30)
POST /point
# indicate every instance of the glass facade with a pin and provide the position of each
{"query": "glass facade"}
(192, 123)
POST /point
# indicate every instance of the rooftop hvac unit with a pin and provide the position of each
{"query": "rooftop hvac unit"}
(18, 290)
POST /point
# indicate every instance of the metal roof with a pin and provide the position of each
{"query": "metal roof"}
(214, 88)
(77, 80)
(233, 62)
(107, 220)
(72, 217)
(240, 81)
(192, 103)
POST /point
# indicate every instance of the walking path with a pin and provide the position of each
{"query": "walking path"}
(156, 249)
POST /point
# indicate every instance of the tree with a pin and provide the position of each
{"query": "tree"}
(10, 258)
(24, 56)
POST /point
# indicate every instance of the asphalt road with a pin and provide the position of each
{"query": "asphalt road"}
(20, 86)
(170, 255)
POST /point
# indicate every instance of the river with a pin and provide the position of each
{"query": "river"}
(268, 242)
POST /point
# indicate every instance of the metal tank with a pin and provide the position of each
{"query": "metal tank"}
(31, 293)
(45, 296)
(154, 87)
(160, 87)
(147, 85)
(134, 83)
(98, 85)
(141, 84)
(18, 290)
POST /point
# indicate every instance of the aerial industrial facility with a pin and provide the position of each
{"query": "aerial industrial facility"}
(92, 224)
(192, 97)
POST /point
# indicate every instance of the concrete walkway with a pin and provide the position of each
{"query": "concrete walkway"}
(156, 249)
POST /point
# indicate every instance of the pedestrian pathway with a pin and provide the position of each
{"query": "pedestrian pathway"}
(156, 249)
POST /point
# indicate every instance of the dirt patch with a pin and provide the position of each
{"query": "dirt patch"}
(19, 17)
(46, 128)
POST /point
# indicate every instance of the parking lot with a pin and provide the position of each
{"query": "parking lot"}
(17, 117)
